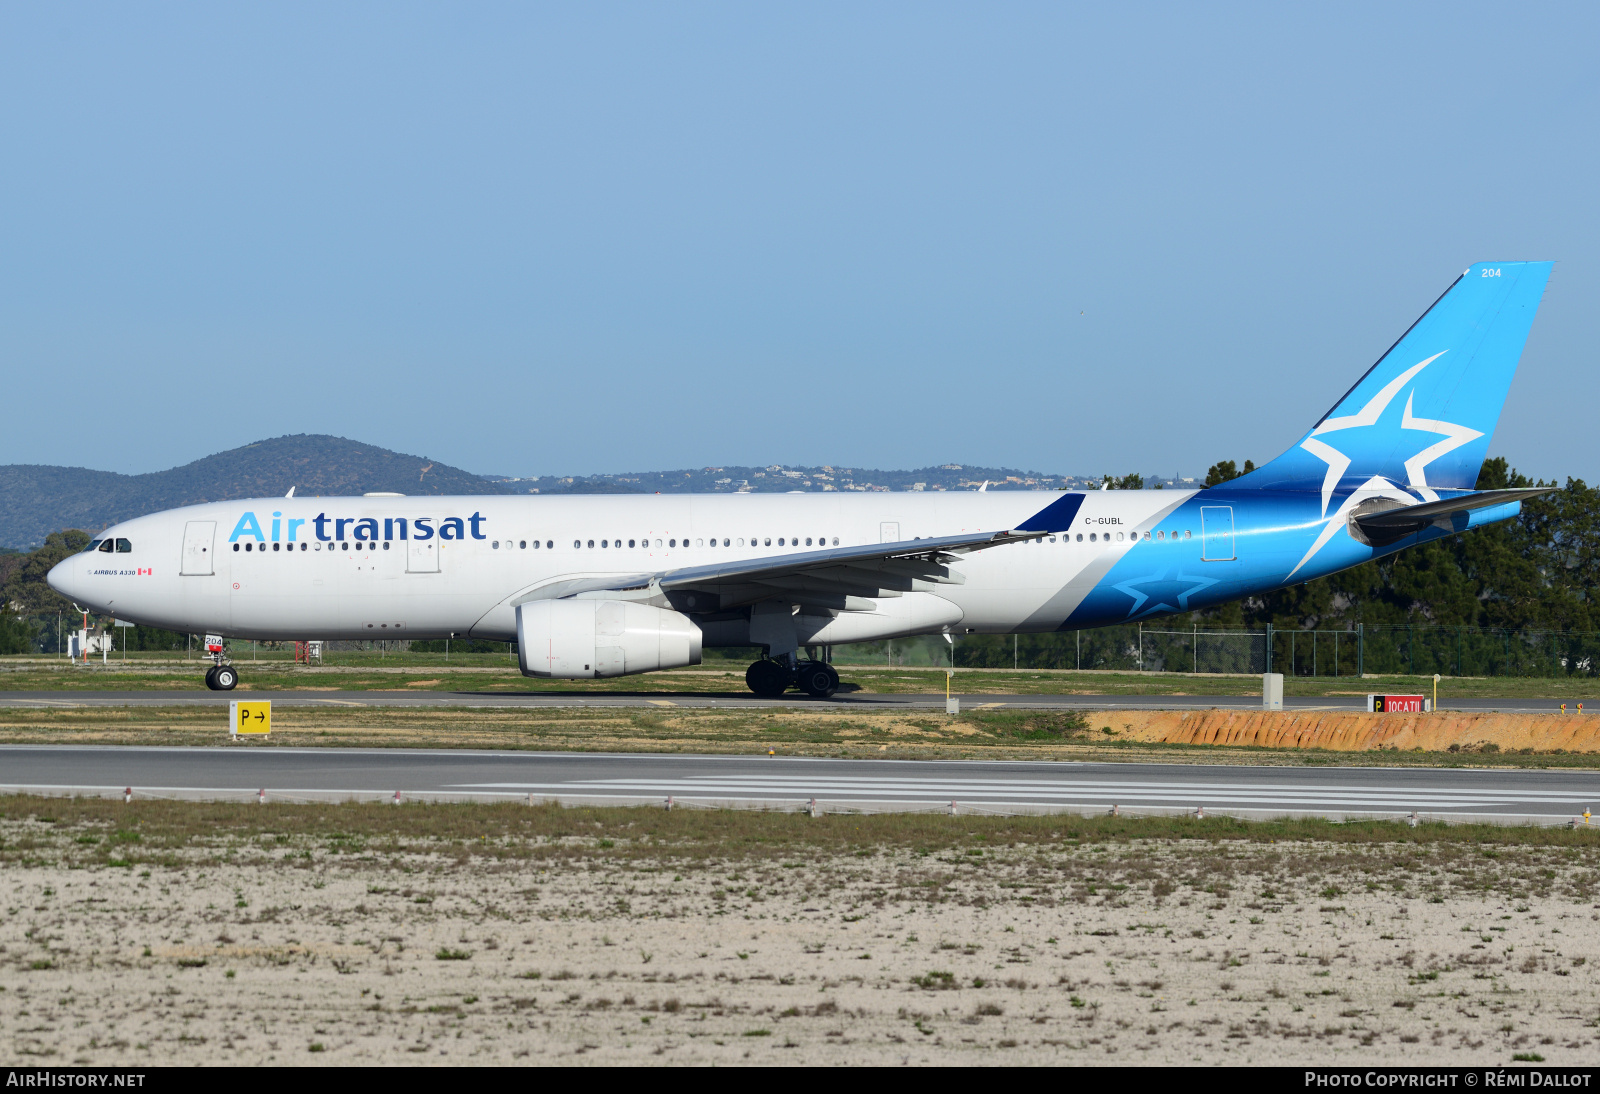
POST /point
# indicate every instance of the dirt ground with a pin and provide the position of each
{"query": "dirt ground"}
(1202, 737)
(171, 933)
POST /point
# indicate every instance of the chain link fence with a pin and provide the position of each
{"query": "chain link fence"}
(1378, 649)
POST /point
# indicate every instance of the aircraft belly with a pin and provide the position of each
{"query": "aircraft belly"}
(914, 613)
(194, 599)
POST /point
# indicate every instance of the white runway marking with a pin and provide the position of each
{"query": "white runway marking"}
(1292, 795)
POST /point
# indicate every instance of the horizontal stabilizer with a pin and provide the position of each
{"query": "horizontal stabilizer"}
(1379, 527)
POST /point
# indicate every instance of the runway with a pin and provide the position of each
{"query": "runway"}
(497, 700)
(242, 772)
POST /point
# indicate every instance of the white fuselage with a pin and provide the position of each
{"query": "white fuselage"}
(419, 567)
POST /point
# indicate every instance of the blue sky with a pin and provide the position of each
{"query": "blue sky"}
(553, 240)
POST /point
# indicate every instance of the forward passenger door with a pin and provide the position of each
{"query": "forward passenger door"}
(199, 536)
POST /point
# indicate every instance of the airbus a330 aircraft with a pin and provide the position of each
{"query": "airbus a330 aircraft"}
(605, 585)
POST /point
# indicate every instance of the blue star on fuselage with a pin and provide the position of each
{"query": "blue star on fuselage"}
(1166, 592)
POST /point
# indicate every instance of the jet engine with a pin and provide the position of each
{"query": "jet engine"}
(582, 639)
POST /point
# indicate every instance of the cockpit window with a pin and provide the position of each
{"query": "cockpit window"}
(124, 547)
(93, 543)
(107, 545)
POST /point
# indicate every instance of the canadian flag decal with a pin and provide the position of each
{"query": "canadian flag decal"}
(143, 571)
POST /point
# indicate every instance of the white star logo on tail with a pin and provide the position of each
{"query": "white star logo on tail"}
(1454, 437)
(1416, 467)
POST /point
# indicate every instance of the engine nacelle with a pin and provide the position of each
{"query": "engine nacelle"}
(582, 639)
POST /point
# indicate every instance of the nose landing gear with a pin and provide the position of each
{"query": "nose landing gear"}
(220, 676)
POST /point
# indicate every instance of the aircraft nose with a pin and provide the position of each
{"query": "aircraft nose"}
(63, 578)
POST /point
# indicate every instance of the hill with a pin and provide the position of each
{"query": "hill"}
(36, 500)
(779, 479)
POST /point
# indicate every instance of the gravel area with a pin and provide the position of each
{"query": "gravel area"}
(334, 947)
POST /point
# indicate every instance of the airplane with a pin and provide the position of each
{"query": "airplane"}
(607, 585)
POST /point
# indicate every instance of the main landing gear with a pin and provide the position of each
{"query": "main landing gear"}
(771, 678)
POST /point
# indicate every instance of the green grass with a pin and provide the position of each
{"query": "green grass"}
(488, 673)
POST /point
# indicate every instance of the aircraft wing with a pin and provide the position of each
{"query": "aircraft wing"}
(838, 578)
(1388, 526)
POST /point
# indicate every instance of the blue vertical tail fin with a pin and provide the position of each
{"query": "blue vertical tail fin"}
(1421, 418)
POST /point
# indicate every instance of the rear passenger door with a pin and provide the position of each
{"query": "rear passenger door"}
(1216, 533)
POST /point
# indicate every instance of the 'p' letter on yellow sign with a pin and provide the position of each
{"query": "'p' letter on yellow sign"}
(250, 718)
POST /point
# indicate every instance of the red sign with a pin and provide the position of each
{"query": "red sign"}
(1399, 704)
